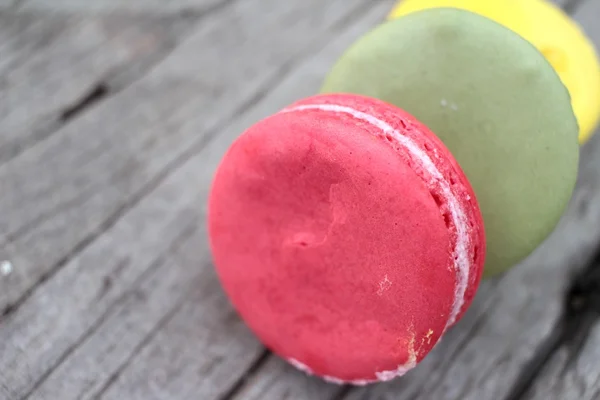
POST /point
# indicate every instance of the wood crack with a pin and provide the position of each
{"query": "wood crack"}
(143, 343)
(581, 310)
(571, 6)
(81, 198)
(157, 263)
(342, 393)
(190, 12)
(108, 223)
(250, 372)
(354, 15)
(95, 95)
(474, 329)
(117, 80)
(193, 13)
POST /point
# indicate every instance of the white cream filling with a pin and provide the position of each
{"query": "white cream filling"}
(337, 381)
(382, 376)
(459, 218)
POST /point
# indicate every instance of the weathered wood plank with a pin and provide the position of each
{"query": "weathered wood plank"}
(565, 4)
(200, 330)
(587, 14)
(61, 194)
(67, 308)
(95, 168)
(573, 373)
(105, 323)
(277, 380)
(200, 353)
(6, 4)
(136, 5)
(135, 315)
(49, 63)
(120, 5)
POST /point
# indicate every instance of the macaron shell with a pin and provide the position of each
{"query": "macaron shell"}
(443, 160)
(510, 13)
(493, 100)
(330, 278)
(330, 247)
(573, 56)
(553, 33)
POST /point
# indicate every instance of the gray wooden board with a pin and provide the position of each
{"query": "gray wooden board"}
(60, 194)
(49, 62)
(87, 6)
(563, 3)
(202, 331)
(140, 5)
(198, 349)
(129, 307)
(277, 380)
(92, 166)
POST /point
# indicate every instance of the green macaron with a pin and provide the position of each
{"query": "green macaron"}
(494, 101)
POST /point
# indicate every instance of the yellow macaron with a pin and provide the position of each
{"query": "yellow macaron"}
(553, 33)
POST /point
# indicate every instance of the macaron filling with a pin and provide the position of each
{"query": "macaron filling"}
(383, 376)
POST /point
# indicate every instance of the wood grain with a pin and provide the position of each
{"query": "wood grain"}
(126, 155)
(277, 380)
(49, 63)
(105, 6)
(195, 347)
(137, 5)
(63, 193)
(113, 296)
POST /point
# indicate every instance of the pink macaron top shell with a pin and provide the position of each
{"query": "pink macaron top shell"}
(336, 245)
(409, 127)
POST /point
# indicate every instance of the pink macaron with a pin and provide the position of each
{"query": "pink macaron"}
(346, 236)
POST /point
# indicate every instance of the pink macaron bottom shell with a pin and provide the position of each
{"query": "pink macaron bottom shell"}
(336, 245)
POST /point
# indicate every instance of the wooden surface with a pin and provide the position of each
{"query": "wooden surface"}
(114, 115)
